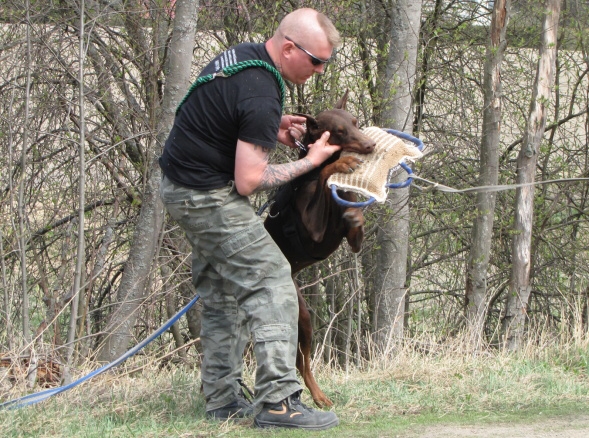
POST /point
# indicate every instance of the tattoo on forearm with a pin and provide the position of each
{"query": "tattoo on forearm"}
(279, 174)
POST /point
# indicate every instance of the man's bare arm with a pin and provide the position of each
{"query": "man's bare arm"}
(253, 173)
(276, 175)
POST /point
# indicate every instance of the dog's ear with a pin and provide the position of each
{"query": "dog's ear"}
(313, 130)
(301, 114)
(341, 104)
(311, 121)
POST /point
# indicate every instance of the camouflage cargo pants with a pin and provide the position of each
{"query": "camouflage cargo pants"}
(245, 285)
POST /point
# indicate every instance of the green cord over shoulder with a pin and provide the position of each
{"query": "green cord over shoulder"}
(236, 68)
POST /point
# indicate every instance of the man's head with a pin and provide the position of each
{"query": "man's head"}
(302, 44)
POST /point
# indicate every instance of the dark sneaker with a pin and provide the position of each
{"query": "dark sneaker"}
(238, 409)
(292, 413)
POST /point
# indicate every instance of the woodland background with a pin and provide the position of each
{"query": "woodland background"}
(498, 92)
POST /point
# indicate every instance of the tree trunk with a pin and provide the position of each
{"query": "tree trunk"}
(119, 331)
(5, 312)
(393, 236)
(81, 252)
(482, 232)
(519, 287)
(430, 32)
(21, 213)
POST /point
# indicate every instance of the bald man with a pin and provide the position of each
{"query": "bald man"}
(217, 154)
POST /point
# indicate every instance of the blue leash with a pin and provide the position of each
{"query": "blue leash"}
(405, 183)
(40, 396)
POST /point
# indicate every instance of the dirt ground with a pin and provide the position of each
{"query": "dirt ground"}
(553, 427)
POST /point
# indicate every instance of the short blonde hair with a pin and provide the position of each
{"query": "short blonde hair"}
(330, 31)
(295, 22)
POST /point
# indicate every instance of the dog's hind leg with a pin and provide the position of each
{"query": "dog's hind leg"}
(304, 355)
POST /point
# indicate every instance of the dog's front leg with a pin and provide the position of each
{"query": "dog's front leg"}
(345, 164)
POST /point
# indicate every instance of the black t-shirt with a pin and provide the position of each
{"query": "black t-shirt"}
(200, 150)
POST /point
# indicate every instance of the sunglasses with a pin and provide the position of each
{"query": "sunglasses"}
(314, 59)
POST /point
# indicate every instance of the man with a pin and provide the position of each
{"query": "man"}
(217, 154)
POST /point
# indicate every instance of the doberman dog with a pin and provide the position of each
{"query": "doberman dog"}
(308, 225)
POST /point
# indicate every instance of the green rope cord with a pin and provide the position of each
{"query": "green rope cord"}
(236, 68)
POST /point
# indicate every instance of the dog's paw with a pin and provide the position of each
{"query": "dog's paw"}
(347, 164)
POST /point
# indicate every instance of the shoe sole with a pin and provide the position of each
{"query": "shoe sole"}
(269, 424)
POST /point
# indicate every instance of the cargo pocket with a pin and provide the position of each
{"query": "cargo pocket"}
(243, 239)
(247, 262)
(272, 332)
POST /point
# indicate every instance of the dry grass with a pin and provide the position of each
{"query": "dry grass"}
(415, 385)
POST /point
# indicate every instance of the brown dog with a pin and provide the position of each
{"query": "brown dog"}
(308, 225)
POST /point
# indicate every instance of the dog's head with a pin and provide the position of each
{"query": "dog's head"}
(342, 126)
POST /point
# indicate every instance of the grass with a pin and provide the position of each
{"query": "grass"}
(386, 398)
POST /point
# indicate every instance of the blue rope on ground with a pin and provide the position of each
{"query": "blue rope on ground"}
(43, 395)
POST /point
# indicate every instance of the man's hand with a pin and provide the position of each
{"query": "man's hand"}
(291, 128)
